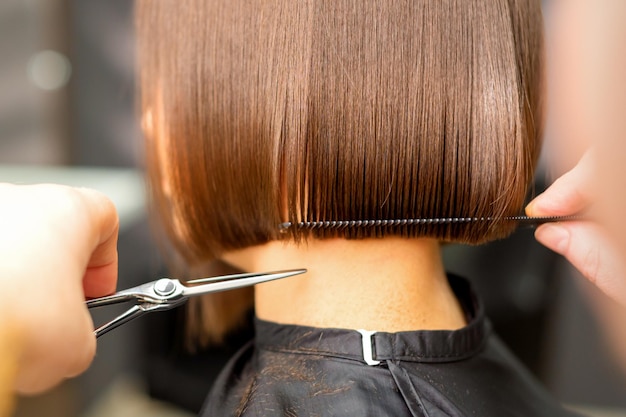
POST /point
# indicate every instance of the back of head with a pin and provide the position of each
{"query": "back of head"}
(258, 113)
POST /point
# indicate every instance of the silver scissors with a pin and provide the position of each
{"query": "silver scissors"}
(168, 293)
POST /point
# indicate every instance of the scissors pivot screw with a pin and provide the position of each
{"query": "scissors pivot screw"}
(164, 287)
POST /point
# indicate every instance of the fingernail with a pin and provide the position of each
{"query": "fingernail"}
(534, 207)
(553, 236)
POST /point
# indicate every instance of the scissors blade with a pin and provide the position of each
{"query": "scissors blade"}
(229, 282)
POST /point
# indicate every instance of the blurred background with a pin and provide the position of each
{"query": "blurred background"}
(67, 115)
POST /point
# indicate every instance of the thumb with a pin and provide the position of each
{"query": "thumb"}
(568, 195)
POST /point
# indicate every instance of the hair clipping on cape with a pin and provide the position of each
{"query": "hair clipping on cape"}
(523, 221)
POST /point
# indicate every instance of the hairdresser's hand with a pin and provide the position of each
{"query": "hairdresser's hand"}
(586, 244)
(57, 245)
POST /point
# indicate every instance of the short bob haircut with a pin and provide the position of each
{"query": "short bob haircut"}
(262, 112)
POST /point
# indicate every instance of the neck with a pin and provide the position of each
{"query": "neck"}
(390, 284)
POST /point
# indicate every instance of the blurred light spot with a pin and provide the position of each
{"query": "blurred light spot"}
(49, 70)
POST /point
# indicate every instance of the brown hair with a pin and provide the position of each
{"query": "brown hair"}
(258, 112)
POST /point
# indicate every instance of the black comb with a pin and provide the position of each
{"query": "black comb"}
(524, 221)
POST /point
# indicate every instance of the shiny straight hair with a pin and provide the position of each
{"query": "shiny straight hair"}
(262, 112)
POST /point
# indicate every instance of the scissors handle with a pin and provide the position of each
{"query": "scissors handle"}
(130, 314)
(108, 300)
(135, 311)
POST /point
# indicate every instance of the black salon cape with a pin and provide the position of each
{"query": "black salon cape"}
(304, 371)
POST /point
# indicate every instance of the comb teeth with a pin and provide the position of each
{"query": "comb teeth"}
(339, 224)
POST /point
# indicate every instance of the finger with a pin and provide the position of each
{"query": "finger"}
(568, 195)
(590, 251)
(85, 338)
(44, 366)
(100, 281)
(101, 274)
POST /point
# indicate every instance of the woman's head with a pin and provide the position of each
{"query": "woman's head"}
(258, 112)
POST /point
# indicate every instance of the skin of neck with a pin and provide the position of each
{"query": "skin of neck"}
(389, 284)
